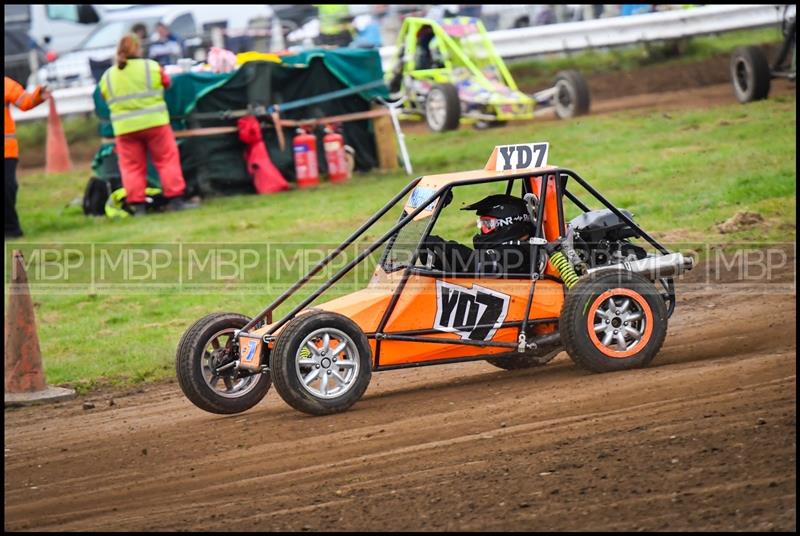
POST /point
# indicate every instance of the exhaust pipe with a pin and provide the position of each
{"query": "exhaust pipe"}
(651, 267)
(548, 340)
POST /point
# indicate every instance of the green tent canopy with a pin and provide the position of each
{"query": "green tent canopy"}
(215, 165)
(352, 66)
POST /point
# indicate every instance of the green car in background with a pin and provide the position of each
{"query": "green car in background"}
(450, 72)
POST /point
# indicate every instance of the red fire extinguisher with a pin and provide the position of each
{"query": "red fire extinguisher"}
(333, 142)
(305, 159)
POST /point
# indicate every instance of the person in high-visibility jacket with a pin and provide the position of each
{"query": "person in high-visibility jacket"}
(334, 25)
(134, 90)
(15, 94)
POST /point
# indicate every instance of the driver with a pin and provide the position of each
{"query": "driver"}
(501, 244)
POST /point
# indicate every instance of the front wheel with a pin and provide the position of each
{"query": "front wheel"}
(205, 348)
(750, 74)
(572, 95)
(321, 363)
(613, 321)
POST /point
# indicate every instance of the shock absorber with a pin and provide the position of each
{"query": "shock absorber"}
(565, 269)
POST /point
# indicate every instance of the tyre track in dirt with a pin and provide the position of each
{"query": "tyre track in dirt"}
(383, 476)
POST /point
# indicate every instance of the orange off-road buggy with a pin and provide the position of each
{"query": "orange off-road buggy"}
(590, 291)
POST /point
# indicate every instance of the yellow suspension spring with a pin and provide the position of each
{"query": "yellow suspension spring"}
(564, 268)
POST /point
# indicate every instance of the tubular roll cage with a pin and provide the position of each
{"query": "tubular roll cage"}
(409, 269)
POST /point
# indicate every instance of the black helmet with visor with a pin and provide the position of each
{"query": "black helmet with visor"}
(501, 218)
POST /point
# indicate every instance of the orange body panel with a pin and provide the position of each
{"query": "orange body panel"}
(420, 306)
(364, 307)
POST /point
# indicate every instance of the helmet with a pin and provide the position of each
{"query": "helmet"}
(501, 218)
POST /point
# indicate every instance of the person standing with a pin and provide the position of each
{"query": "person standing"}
(368, 32)
(15, 94)
(334, 28)
(134, 91)
(165, 48)
(141, 32)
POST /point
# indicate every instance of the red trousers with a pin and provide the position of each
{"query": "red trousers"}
(132, 150)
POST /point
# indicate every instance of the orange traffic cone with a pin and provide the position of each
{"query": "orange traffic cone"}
(24, 375)
(57, 150)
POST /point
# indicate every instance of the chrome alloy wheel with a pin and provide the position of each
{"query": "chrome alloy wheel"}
(436, 110)
(620, 323)
(327, 363)
(565, 98)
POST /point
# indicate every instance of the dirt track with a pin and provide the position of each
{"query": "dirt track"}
(704, 439)
(720, 94)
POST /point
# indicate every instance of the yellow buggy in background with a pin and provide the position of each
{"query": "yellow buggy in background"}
(451, 72)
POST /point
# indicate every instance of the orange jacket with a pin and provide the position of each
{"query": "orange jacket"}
(16, 94)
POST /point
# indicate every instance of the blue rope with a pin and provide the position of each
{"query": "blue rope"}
(291, 105)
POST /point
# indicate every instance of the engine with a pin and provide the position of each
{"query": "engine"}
(601, 238)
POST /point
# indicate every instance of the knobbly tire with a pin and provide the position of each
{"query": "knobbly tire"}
(572, 96)
(516, 361)
(613, 321)
(750, 74)
(205, 345)
(321, 363)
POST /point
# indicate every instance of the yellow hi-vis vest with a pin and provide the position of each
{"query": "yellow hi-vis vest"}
(135, 96)
(332, 18)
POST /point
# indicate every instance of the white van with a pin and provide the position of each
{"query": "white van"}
(186, 21)
(57, 27)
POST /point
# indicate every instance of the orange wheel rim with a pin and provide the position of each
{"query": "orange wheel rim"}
(620, 322)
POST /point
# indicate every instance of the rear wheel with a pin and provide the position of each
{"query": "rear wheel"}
(442, 108)
(321, 363)
(613, 321)
(572, 95)
(750, 74)
(207, 346)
